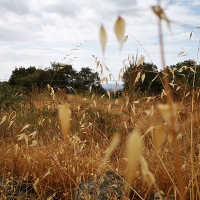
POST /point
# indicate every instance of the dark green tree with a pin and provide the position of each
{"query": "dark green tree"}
(86, 79)
(151, 83)
(58, 76)
(184, 73)
(63, 76)
(19, 74)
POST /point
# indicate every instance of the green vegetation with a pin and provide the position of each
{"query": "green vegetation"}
(58, 76)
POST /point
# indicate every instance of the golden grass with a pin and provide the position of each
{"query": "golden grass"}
(45, 163)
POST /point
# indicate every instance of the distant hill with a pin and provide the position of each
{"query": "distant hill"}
(111, 86)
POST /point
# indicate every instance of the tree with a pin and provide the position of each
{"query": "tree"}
(184, 73)
(27, 78)
(63, 76)
(86, 79)
(148, 79)
(66, 77)
(19, 74)
(58, 75)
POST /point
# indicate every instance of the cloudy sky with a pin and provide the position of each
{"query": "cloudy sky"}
(37, 32)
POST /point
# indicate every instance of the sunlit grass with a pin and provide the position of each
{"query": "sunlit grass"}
(46, 164)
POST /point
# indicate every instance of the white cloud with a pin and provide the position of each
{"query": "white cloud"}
(19, 7)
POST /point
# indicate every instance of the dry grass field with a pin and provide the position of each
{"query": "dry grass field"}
(56, 155)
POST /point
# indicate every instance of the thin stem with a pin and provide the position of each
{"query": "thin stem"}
(178, 171)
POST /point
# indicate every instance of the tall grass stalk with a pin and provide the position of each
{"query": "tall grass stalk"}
(178, 165)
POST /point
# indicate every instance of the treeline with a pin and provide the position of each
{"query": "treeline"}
(146, 78)
(58, 76)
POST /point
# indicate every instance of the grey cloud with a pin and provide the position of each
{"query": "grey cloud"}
(124, 3)
(67, 8)
(21, 32)
(19, 7)
(11, 35)
(24, 29)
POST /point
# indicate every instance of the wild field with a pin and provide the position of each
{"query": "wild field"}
(53, 145)
(52, 141)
